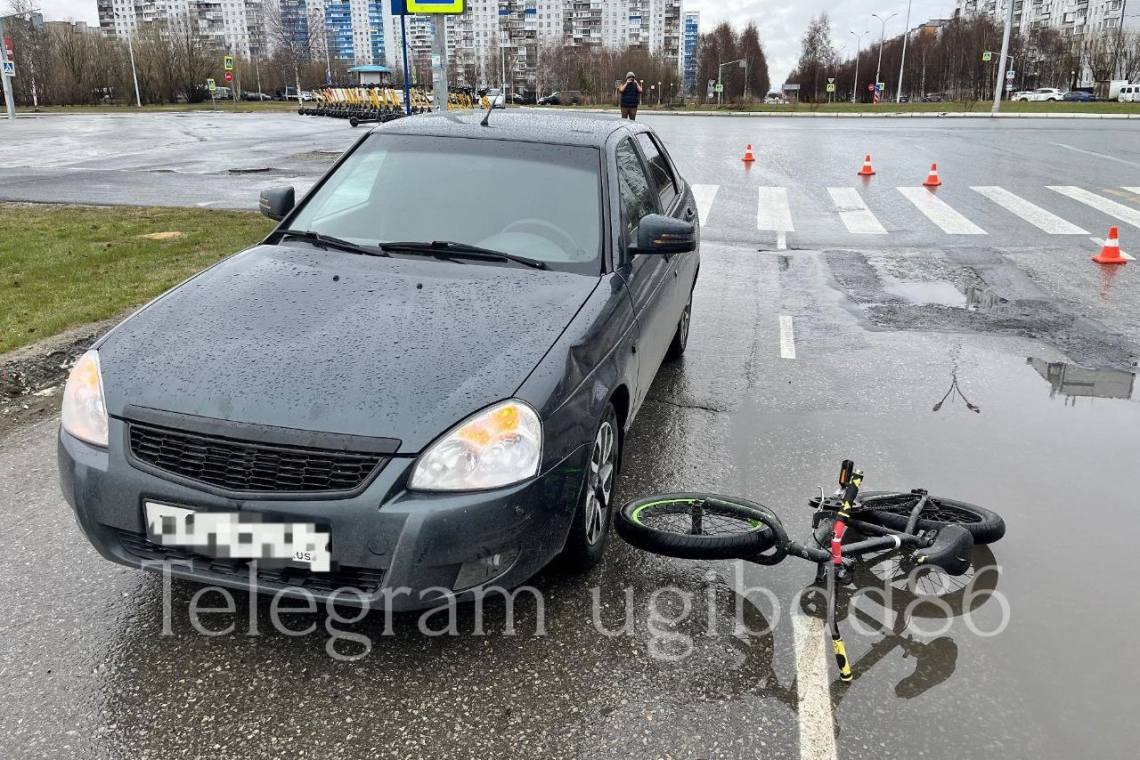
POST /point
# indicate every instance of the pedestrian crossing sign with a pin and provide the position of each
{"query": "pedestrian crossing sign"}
(831, 87)
(9, 68)
(987, 57)
(229, 62)
(211, 85)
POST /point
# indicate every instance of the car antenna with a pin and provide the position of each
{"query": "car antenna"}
(487, 119)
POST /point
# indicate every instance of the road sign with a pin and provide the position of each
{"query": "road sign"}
(987, 57)
(831, 80)
(880, 87)
(870, 88)
(210, 85)
(1009, 75)
(831, 87)
(435, 6)
(719, 87)
(229, 63)
(229, 77)
(9, 68)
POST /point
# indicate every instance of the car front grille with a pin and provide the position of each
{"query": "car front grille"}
(248, 467)
(365, 580)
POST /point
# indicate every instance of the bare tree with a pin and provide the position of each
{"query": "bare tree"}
(297, 35)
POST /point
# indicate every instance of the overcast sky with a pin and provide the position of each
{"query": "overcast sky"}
(781, 23)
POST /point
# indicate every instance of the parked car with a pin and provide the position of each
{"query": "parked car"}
(568, 98)
(1040, 95)
(497, 98)
(774, 100)
(256, 96)
(387, 398)
(933, 97)
(524, 99)
(1080, 96)
(1129, 93)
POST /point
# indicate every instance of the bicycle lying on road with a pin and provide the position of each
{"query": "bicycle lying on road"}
(926, 531)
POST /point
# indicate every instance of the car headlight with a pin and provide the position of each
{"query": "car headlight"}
(498, 446)
(84, 410)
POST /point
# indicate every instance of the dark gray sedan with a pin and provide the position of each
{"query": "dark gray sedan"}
(417, 386)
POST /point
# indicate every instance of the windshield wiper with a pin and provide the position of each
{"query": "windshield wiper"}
(451, 249)
(327, 241)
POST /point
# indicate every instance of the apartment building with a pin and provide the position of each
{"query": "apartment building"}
(1075, 16)
(237, 26)
(690, 36)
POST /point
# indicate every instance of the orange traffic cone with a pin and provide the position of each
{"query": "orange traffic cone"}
(932, 180)
(748, 157)
(1110, 253)
(866, 171)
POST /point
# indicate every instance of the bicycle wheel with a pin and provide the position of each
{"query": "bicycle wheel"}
(892, 510)
(699, 526)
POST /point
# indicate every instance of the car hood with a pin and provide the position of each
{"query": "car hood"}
(335, 342)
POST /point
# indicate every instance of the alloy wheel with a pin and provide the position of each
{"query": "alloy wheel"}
(599, 488)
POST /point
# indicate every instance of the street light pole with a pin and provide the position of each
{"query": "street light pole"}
(743, 64)
(882, 39)
(1001, 64)
(906, 37)
(131, 52)
(858, 44)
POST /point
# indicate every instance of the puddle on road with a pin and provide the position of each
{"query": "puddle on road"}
(926, 293)
(1073, 381)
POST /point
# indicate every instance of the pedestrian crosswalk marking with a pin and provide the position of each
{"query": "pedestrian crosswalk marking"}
(1112, 208)
(939, 212)
(704, 195)
(773, 213)
(854, 212)
(1035, 215)
(1135, 190)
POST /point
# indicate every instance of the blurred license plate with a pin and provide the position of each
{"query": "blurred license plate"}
(232, 535)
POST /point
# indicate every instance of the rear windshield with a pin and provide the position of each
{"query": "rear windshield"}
(534, 200)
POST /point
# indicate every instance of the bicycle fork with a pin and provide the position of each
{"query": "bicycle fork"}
(851, 479)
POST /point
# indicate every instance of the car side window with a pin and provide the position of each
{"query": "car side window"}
(659, 167)
(634, 189)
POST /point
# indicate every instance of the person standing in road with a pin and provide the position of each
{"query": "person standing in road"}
(630, 91)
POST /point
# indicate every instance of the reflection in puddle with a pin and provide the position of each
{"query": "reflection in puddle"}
(925, 293)
(1073, 381)
(983, 298)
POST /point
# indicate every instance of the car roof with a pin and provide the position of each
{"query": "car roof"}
(523, 126)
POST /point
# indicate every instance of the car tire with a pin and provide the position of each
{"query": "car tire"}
(681, 336)
(591, 527)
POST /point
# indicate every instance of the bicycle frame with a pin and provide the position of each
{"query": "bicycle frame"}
(839, 557)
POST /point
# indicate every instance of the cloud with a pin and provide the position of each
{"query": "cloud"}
(781, 23)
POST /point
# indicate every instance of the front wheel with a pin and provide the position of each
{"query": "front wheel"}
(588, 533)
(892, 510)
(699, 526)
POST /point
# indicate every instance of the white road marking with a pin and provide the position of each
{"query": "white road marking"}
(939, 212)
(787, 338)
(773, 213)
(1112, 208)
(1100, 244)
(1035, 215)
(1132, 190)
(781, 241)
(854, 212)
(1098, 155)
(817, 728)
(704, 195)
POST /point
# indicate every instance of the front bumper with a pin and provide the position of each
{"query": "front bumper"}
(393, 547)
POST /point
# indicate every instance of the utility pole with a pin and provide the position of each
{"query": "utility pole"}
(858, 44)
(906, 36)
(1000, 83)
(439, 62)
(882, 39)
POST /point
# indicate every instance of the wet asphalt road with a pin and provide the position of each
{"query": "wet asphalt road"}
(879, 338)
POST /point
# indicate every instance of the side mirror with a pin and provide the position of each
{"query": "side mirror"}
(658, 233)
(277, 202)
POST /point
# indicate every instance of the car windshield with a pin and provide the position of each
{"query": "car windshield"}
(538, 201)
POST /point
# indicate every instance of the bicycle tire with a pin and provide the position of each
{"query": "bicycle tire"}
(731, 528)
(892, 510)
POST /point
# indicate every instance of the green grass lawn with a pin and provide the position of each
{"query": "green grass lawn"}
(63, 266)
(243, 106)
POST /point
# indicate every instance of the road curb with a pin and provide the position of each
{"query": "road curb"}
(857, 115)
